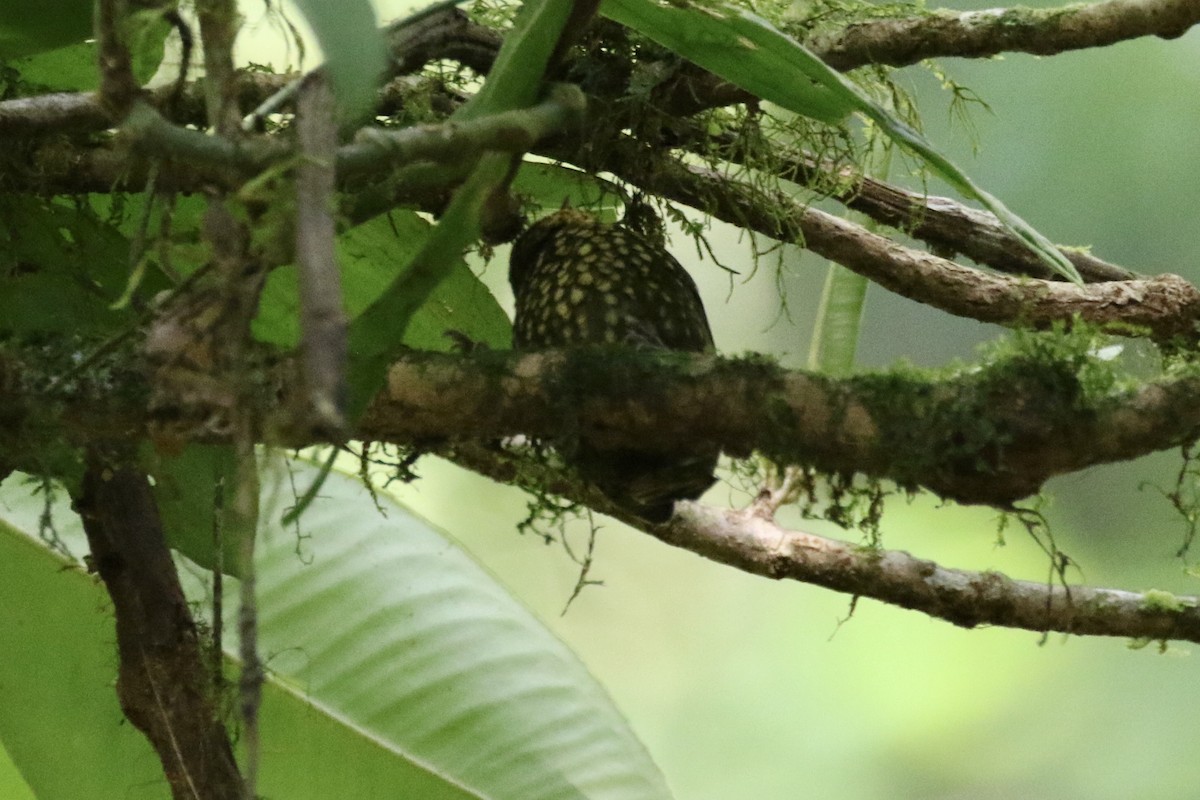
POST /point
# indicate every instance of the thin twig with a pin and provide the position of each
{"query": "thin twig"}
(322, 318)
(753, 543)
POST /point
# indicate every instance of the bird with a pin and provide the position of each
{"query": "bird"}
(578, 280)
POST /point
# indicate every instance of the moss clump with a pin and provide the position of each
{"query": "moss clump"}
(960, 421)
(1156, 600)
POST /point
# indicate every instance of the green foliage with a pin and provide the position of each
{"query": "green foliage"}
(26, 28)
(553, 185)
(72, 68)
(743, 48)
(69, 627)
(752, 53)
(63, 268)
(514, 82)
(367, 621)
(191, 489)
(371, 257)
(354, 48)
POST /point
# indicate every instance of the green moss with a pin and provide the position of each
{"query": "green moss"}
(58, 373)
(1143, 642)
(955, 421)
(1156, 600)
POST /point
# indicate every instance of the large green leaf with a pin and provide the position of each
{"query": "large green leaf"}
(186, 490)
(371, 257)
(552, 185)
(67, 69)
(59, 716)
(28, 26)
(354, 48)
(399, 668)
(62, 724)
(392, 628)
(73, 68)
(750, 52)
(839, 318)
(62, 269)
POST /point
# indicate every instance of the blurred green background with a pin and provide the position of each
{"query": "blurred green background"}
(744, 688)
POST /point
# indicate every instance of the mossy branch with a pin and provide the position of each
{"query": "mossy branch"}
(947, 225)
(454, 141)
(989, 434)
(982, 34)
(376, 150)
(992, 434)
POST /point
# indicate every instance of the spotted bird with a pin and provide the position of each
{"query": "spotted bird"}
(579, 281)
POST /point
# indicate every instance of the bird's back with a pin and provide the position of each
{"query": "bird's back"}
(577, 280)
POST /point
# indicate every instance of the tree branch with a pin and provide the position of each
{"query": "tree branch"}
(887, 41)
(756, 544)
(981, 34)
(751, 541)
(162, 685)
(322, 315)
(509, 131)
(992, 434)
(196, 161)
(118, 87)
(1166, 306)
(943, 223)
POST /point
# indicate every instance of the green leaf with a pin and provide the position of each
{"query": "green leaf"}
(60, 720)
(513, 82)
(63, 268)
(73, 68)
(388, 626)
(185, 488)
(354, 47)
(67, 69)
(12, 785)
(750, 52)
(376, 337)
(551, 185)
(148, 31)
(27, 26)
(742, 48)
(127, 212)
(839, 316)
(372, 256)
(398, 668)
(515, 79)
